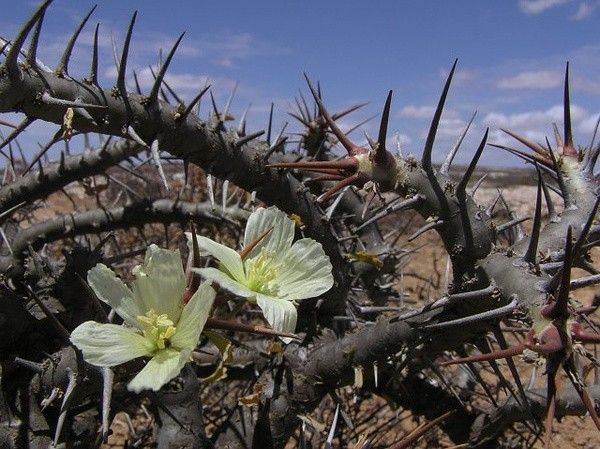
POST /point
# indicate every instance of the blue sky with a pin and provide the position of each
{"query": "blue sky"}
(512, 56)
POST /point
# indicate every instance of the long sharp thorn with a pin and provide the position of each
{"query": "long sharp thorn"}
(461, 194)
(214, 323)
(478, 184)
(244, 140)
(510, 224)
(131, 133)
(300, 119)
(478, 317)
(568, 147)
(595, 133)
(561, 181)
(561, 307)
(336, 203)
(156, 157)
(66, 404)
(63, 66)
(534, 146)
(224, 190)
(93, 78)
(358, 125)
(350, 180)
(138, 88)
(342, 164)
(550, 405)
(445, 168)
(18, 130)
(548, 198)
(325, 178)
(33, 44)
(412, 437)
(114, 50)
(49, 99)
(331, 433)
(153, 96)
(11, 61)
(462, 185)
(123, 64)
(586, 227)
(557, 137)
(270, 126)
(406, 204)
(241, 130)
(248, 249)
(345, 112)
(214, 106)
(585, 281)
(513, 369)
(531, 158)
(531, 253)
(380, 150)
(230, 100)
(304, 118)
(343, 139)
(494, 355)
(306, 109)
(107, 387)
(571, 370)
(425, 228)
(190, 106)
(43, 150)
(428, 149)
(211, 191)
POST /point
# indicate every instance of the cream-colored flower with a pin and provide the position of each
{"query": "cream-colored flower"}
(276, 273)
(156, 322)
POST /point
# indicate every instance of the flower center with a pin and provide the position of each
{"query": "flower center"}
(261, 272)
(157, 328)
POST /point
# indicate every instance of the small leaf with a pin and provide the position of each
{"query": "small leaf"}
(274, 347)
(224, 346)
(252, 399)
(68, 123)
(358, 377)
(296, 219)
(363, 256)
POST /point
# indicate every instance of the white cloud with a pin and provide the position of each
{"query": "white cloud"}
(536, 125)
(533, 119)
(399, 141)
(585, 10)
(538, 6)
(588, 125)
(540, 79)
(424, 112)
(461, 77)
(412, 111)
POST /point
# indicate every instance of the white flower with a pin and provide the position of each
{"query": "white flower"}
(156, 322)
(276, 273)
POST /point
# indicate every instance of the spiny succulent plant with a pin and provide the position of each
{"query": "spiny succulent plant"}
(527, 280)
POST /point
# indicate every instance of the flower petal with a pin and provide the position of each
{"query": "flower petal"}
(109, 344)
(160, 282)
(278, 240)
(279, 313)
(229, 259)
(163, 367)
(225, 281)
(193, 318)
(111, 290)
(305, 271)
